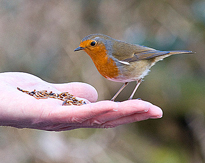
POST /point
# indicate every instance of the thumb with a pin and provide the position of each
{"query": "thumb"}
(79, 89)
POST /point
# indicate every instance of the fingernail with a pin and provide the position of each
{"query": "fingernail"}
(155, 117)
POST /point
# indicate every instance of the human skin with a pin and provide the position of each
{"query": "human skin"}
(18, 109)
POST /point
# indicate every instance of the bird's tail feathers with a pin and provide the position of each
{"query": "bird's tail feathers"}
(180, 52)
(172, 53)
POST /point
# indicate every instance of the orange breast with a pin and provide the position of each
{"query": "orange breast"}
(105, 65)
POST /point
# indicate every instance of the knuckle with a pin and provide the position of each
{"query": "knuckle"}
(108, 126)
(94, 122)
(77, 120)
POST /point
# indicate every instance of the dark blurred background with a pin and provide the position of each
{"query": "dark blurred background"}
(39, 37)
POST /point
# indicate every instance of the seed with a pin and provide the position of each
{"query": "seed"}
(67, 98)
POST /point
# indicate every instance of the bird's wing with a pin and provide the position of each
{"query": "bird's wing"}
(152, 54)
(146, 55)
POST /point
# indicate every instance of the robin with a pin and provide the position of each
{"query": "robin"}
(120, 61)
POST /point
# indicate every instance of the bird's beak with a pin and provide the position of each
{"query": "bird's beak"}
(78, 48)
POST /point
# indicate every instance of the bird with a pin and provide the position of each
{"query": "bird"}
(120, 61)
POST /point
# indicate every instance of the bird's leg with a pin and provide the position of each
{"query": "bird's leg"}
(120, 90)
(137, 85)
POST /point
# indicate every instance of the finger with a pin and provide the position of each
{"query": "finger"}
(130, 119)
(100, 112)
(153, 112)
(79, 114)
(127, 108)
(78, 89)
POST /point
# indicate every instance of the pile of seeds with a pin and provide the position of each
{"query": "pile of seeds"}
(67, 98)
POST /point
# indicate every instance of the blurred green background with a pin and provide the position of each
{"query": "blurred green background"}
(39, 36)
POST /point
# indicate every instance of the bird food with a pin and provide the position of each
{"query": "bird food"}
(67, 98)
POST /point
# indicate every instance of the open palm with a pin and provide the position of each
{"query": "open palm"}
(20, 110)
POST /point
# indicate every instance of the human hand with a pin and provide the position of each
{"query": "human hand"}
(20, 110)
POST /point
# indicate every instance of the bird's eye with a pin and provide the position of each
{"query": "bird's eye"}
(93, 43)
